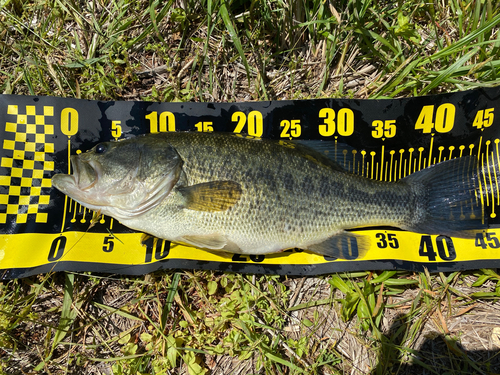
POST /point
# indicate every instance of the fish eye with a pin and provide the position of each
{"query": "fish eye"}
(100, 148)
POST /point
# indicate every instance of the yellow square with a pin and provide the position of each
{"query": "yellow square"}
(39, 156)
(22, 119)
(24, 200)
(22, 218)
(16, 172)
(48, 166)
(46, 182)
(36, 190)
(12, 209)
(7, 162)
(5, 180)
(32, 208)
(20, 137)
(44, 199)
(37, 173)
(3, 218)
(26, 182)
(30, 146)
(40, 138)
(15, 190)
(49, 129)
(10, 127)
(49, 147)
(30, 110)
(4, 199)
(41, 217)
(8, 144)
(18, 154)
(40, 119)
(31, 129)
(12, 109)
(48, 110)
(28, 164)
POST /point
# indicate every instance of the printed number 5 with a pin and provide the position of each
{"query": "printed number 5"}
(108, 244)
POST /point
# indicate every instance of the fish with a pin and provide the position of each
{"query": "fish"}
(224, 192)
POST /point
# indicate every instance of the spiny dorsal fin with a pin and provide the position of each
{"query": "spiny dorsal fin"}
(211, 196)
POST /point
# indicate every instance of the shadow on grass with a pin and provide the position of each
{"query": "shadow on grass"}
(439, 354)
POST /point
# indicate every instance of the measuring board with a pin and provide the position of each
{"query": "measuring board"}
(42, 230)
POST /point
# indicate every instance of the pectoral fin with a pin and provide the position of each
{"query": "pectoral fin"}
(211, 196)
(345, 245)
(211, 241)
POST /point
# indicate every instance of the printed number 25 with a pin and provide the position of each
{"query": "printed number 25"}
(384, 240)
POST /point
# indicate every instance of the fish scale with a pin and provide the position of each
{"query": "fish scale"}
(282, 190)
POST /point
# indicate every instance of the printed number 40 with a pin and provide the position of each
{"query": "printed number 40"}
(441, 120)
(445, 248)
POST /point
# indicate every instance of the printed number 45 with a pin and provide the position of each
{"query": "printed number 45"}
(484, 118)
(491, 240)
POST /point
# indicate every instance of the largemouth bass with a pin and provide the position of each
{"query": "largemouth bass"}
(255, 196)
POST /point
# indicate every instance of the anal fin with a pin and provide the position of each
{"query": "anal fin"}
(344, 245)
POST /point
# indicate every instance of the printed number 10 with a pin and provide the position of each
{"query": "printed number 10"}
(166, 122)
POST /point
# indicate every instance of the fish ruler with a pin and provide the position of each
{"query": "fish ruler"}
(42, 230)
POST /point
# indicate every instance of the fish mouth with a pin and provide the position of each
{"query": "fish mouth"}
(85, 173)
(85, 176)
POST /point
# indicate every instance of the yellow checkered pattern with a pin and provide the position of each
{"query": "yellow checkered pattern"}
(24, 188)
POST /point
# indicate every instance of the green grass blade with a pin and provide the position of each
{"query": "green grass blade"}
(234, 36)
(448, 72)
(68, 313)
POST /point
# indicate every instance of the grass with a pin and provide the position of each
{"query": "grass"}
(212, 322)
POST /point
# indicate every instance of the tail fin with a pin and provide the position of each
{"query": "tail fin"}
(451, 196)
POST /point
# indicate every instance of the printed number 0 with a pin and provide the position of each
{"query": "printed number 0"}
(57, 249)
(69, 121)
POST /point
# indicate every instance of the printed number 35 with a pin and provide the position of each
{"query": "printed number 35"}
(387, 240)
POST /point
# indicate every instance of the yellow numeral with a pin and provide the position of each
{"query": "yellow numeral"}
(166, 120)
(116, 129)
(291, 129)
(253, 120)
(484, 118)
(445, 118)
(69, 121)
(385, 128)
(205, 126)
(344, 125)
